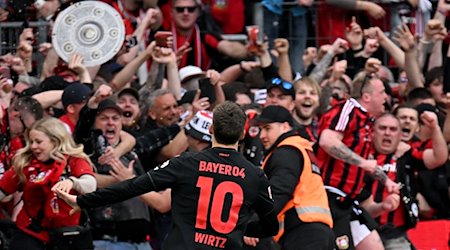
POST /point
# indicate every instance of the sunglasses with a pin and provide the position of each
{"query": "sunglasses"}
(403, 79)
(285, 84)
(190, 9)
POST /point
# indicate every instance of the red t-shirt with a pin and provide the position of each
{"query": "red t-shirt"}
(68, 122)
(37, 196)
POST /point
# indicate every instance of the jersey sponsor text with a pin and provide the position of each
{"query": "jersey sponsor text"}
(220, 168)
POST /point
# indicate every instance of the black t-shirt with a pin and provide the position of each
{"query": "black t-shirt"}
(213, 193)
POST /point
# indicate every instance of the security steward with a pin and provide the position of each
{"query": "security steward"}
(300, 199)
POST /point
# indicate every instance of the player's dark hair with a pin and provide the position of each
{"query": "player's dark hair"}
(433, 74)
(405, 105)
(228, 123)
(419, 94)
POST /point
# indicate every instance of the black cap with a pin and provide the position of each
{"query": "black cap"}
(129, 91)
(75, 93)
(287, 88)
(108, 104)
(273, 113)
(54, 83)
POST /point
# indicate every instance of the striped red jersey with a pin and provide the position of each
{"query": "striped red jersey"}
(418, 147)
(356, 125)
(389, 165)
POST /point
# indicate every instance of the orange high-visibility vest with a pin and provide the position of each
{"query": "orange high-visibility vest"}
(310, 198)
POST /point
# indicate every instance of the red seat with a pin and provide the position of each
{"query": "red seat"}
(430, 235)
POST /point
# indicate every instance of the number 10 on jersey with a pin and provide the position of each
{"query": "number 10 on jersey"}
(215, 208)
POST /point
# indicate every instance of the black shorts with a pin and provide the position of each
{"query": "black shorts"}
(351, 223)
(308, 236)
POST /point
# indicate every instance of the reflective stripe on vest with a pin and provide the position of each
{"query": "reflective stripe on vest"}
(303, 210)
(309, 198)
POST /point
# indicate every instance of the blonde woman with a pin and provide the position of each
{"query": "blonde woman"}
(50, 158)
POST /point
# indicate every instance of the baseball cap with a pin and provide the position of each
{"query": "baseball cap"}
(129, 91)
(189, 72)
(198, 126)
(273, 113)
(75, 93)
(108, 104)
(287, 88)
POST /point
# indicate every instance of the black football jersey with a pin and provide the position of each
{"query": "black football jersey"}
(213, 194)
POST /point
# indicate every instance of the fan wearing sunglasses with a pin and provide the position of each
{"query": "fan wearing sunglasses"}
(196, 45)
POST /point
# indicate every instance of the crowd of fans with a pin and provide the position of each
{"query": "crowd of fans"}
(376, 85)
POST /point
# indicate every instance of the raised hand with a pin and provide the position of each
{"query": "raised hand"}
(44, 48)
(372, 65)
(435, 30)
(354, 34)
(404, 37)
(375, 33)
(281, 45)
(164, 55)
(429, 119)
(76, 64)
(339, 46)
(181, 51)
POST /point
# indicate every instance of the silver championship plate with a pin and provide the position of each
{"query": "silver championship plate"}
(92, 29)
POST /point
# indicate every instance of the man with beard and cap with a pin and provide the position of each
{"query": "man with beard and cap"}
(345, 142)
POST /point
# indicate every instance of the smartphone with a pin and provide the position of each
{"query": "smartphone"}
(161, 38)
(207, 90)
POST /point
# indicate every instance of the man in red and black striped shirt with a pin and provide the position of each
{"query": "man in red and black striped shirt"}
(395, 158)
(345, 142)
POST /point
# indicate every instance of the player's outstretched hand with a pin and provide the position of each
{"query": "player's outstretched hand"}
(69, 199)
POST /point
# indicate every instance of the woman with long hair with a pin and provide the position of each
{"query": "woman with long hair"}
(50, 158)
